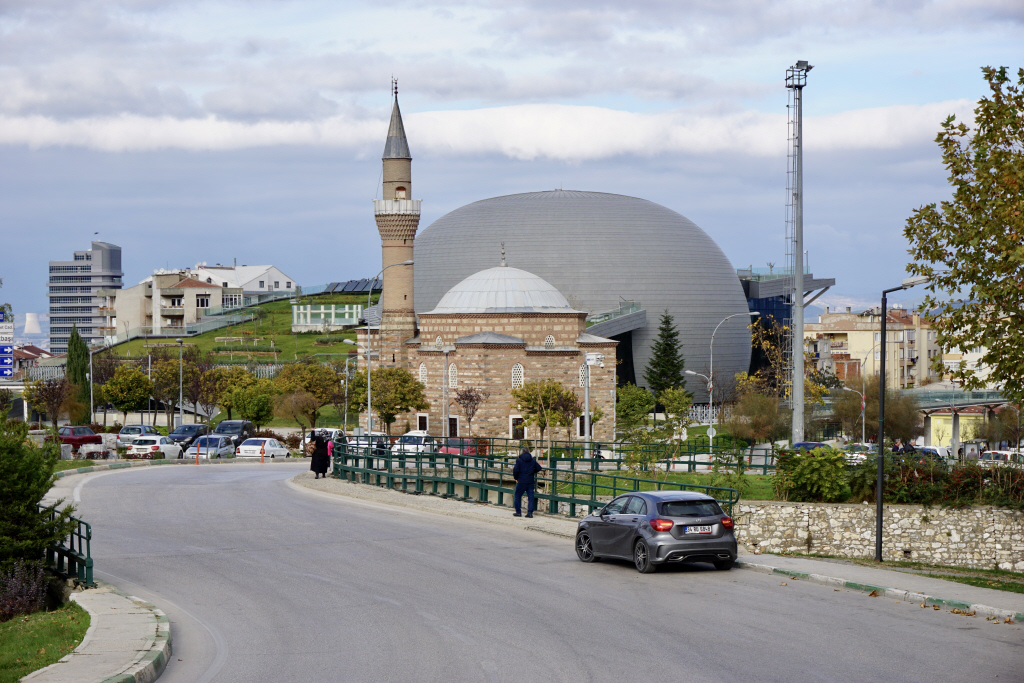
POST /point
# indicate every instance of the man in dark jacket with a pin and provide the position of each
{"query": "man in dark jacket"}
(525, 473)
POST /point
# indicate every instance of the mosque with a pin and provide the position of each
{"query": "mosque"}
(520, 288)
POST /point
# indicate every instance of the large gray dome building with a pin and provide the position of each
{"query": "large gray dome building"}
(601, 250)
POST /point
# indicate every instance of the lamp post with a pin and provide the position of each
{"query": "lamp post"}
(181, 378)
(863, 432)
(907, 284)
(711, 372)
(711, 406)
(347, 377)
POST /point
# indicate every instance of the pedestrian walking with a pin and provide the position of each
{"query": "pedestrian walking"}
(525, 473)
(320, 461)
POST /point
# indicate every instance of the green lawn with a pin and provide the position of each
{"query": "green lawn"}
(28, 643)
(72, 464)
(760, 487)
(274, 327)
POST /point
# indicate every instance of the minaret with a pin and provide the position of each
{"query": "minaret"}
(398, 217)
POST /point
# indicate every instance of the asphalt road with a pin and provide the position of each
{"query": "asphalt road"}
(266, 583)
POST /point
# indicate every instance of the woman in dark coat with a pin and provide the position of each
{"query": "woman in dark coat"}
(319, 462)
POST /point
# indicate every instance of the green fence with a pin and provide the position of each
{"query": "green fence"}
(72, 557)
(488, 478)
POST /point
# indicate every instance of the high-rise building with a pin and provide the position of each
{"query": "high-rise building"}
(73, 290)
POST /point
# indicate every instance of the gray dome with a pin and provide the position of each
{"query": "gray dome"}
(598, 250)
(503, 290)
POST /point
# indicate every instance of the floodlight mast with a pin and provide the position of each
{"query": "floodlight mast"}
(796, 79)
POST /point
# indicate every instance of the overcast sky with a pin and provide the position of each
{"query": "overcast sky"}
(209, 131)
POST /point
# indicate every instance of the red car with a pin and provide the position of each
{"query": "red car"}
(78, 436)
(456, 446)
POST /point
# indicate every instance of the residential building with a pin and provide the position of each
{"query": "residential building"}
(165, 302)
(252, 280)
(72, 290)
(848, 343)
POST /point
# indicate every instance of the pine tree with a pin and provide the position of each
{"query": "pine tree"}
(665, 369)
(77, 369)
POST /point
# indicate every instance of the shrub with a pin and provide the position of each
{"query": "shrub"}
(818, 476)
(269, 434)
(292, 440)
(22, 590)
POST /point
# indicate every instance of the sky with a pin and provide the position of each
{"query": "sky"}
(188, 131)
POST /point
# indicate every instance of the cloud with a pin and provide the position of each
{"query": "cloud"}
(533, 131)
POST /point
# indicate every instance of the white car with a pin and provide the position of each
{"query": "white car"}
(211, 447)
(332, 435)
(415, 442)
(267, 448)
(155, 447)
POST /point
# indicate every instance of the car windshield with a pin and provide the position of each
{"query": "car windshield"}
(206, 442)
(186, 429)
(412, 439)
(229, 428)
(131, 430)
(253, 442)
(689, 508)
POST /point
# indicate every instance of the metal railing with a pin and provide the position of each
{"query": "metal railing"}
(72, 556)
(488, 479)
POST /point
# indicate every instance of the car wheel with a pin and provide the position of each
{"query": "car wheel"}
(585, 548)
(723, 565)
(642, 558)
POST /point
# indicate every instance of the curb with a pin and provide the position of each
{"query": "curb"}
(128, 464)
(892, 593)
(146, 665)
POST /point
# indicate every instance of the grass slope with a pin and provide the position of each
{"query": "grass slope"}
(29, 643)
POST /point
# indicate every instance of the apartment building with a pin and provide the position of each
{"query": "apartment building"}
(74, 301)
(166, 302)
(849, 344)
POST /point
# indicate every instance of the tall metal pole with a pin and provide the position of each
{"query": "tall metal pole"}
(881, 432)
(91, 404)
(444, 400)
(586, 405)
(181, 378)
(796, 79)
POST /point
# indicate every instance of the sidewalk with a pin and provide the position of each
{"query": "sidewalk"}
(892, 584)
(128, 641)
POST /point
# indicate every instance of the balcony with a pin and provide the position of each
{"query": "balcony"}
(392, 206)
(172, 310)
(839, 346)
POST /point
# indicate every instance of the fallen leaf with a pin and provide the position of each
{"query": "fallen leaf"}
(873, 594)
(1007, 620)
(783, 583)
(935, 607)
(922, 605)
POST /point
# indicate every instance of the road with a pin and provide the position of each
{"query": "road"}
(266, 583)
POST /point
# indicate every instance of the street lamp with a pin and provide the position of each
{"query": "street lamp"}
(347, 377)
(907, 284)
(181, 377)
(863, 438)
(711, 411)
(711, 372)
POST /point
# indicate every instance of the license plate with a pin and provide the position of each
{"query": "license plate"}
(697, 530)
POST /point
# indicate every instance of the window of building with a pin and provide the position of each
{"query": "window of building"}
(400, 193)
(453, 426)
(898, 336)
(549, 342)
(901, 354)
(453, 376)
(202, 300)
(288, 284)
(209, 280)
(878, 355)
(516, 427)
(878, 336)
(911, 335)
(277, 284)
(517, 377)
(177, 301)
(422, 421)
(423, 373)
(581, 427)
(438, 342)
(261, 284)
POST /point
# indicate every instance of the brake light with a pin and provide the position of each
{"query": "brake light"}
(726, 522)
(238, 451)
(661, 524)
(154, 448)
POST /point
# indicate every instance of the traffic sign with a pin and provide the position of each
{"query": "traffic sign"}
(6, 372)
(3, 315)
(711, 432)
(7, 361)
(7, 327)
(6, 338)
(6, 350)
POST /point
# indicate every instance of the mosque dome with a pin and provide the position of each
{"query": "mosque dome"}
(503, 290)
(596, 250)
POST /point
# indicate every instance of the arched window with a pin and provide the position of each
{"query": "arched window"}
(423, 373)
(453, 376)
(438, 342)
(583, 376)
(400, 193)
(517, 376)
(549, 342)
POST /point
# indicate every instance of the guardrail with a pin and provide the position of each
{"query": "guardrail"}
(72, 556)
(485, 479)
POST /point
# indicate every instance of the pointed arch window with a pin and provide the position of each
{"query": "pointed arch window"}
(517, 376)
(423, 373)
(453, 376)
(549, 342)
(438, 342)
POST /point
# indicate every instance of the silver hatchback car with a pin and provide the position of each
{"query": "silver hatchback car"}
(652, 528)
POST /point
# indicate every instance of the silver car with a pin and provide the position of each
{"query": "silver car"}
(211, 447)
(652, 528)
(129, 433)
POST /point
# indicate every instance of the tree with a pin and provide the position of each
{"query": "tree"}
(536, 400)
(48, 396)
(6, 402)
(103, 367)
(256, 403)
(470, 399)
(395, 391)
(665, 369)
(197, 366)
(129, 390)
(756, 418)
(166, 379)
(902, 419)
(632, 406)
(232, 378)
(26, 474)
(567, 409)
(77, 371)
(298, 405)
(211, 385)
(970, 246)
(317, 380)
(768, 356)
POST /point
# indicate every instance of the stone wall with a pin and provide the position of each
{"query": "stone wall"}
(979, 537)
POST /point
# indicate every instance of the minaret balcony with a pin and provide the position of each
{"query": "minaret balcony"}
(393, 206)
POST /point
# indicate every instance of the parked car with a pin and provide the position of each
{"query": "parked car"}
(809, 446)
(211, 447)
(78, 436)
(184, 435)
(652, 528)
(255, 448)
(333, 434)
(414, 442)
(155, 447)
(237, 430)
(357, 445)
(129, 433)
(858, 452)
(456, 445)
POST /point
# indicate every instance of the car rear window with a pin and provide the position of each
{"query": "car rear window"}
(412, 439)
(131, 430)
(226, 428)
(253, 442)
(145, 442)
(689, 508)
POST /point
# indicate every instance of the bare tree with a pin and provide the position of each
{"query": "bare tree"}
(470, 399)
(49, 396)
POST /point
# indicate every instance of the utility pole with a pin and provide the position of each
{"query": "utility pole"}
(796, 79)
